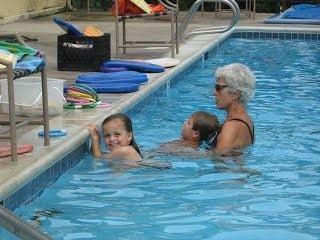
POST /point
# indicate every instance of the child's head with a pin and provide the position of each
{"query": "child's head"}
(117, 130)
(199, 126)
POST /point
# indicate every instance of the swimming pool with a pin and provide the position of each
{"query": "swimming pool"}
(271, 192)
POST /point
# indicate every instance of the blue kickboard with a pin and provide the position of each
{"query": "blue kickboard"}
(114, 77)
(115, 88)
(134, 66)
(106, 69)
(68, 27)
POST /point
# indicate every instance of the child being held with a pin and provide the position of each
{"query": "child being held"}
(199, 127)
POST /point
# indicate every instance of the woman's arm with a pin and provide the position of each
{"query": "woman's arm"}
(227, 139)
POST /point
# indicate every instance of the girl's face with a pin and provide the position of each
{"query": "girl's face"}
(116, 135)
(187, 132)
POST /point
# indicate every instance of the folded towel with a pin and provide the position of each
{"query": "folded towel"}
(18, 49)
(6, 55)
(31, 63)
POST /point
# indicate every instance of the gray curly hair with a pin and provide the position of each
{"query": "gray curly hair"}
(240, 79)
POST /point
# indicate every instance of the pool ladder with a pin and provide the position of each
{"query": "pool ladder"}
(181, 29)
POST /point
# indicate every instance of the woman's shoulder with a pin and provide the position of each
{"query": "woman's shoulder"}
(239, 119)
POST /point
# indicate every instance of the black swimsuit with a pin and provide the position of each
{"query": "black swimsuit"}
(212, 140)
(245, 123)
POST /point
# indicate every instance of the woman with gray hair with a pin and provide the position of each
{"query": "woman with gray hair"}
(235, 86)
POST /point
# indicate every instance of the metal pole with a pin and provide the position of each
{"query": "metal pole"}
(124, 40)
(176, 30)
(254, 9)
(18, 227)
(172, 34)
(247, 8)
(44, 85)
(12, 114)
(117, 29)
(202, 8)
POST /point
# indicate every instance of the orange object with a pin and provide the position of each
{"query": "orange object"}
(157, 8)
(126, 7)
(91, 31)
(5, 149)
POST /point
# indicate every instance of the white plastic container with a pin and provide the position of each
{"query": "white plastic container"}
(28, 96)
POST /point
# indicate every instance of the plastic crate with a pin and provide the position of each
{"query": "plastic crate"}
(82, 53)
(30, 105)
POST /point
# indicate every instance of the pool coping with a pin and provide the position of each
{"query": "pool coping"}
(65, 148)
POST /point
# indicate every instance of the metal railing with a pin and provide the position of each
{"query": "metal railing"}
(19, 227)
(196, 5)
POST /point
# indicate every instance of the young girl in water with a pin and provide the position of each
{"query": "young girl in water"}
(118, 137)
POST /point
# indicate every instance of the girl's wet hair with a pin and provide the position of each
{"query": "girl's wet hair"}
(128, 125)
(206, 123)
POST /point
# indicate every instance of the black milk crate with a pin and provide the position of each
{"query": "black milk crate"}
(82, 53)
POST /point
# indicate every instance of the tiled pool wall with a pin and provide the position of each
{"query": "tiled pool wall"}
(277, 35)
(34, 188)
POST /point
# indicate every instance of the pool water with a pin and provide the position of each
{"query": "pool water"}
(270, 192)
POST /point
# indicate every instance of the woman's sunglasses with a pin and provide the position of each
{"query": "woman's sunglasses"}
(220, 87)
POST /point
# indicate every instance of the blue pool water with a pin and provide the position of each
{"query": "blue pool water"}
(271, 192)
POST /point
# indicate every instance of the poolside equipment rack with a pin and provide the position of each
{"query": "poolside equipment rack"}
(13, 122)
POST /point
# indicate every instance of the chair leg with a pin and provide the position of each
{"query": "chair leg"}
(247, 8)
(44, 84)
(124, 40)
(12, 114)
(117, 29)
(254, 9)
(172, 35)
(176, 33)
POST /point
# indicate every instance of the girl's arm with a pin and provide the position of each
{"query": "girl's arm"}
(94, 133)
(124, 153)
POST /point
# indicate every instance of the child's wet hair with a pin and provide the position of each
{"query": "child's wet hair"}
(128, 126)
(206, 123)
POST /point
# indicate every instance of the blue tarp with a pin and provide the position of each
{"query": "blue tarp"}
(298, 14)
(303, 11)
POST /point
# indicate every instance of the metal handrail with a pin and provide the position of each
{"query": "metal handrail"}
(168, 4)
(183, 26)
(19, 227)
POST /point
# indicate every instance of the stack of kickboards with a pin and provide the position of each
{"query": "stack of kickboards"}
(122, 76)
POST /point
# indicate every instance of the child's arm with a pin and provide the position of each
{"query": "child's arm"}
(94, 133)
(124, 153)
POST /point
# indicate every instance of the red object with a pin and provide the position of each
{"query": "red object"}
(126, 7)
(5, 149)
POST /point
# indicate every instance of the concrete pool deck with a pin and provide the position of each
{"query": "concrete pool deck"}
(13, 175)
